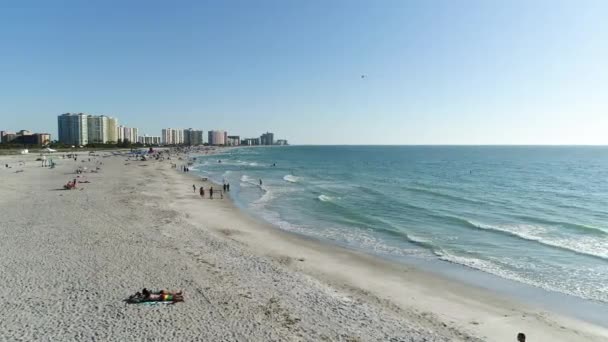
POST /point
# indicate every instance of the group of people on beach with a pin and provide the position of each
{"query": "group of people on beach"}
(201, 189)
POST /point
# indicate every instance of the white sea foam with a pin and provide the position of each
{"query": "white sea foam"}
(343, 235)
(291, 178)
(488, 266)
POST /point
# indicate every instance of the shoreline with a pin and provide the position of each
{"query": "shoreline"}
(584, 309)
(237, 271)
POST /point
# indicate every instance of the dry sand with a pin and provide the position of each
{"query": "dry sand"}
(69, 257)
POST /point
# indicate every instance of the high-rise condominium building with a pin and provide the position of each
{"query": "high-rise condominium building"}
(267, 139)
(112, 130)
(217, 137)
(73, 128)
(127, 134)
(97, 129)
(178, 136)
(167, 136)
(193, 137)
(171, 136)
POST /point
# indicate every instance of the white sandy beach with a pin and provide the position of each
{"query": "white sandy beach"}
(68, 258)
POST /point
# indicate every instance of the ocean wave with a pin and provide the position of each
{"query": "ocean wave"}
(345, 236)
(291, 178)
(502, 271)
(424, 243)
(441, 194)
(580, 228)
(591, 247)
(392, 202)
(266, 197)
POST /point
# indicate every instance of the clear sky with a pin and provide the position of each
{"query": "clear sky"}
(437, 72)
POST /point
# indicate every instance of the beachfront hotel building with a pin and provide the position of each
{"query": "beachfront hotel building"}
(25, 137)
(73, 128)
(233, 140)
(149, 140)
(6, 136)
(127, 134)
(166, 136)
(250, 141)
(102, 129)
(217, 137)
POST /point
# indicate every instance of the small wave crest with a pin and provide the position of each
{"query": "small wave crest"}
(324, 198)
(424, 243)
(291, 178)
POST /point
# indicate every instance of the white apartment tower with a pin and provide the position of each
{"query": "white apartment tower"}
(73, 128)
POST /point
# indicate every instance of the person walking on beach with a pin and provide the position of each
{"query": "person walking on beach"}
(202, 192)
(211, 192)
(228, 187)
(193, 188)
(224, 187)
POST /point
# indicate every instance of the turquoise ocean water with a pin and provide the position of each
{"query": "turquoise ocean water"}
(534, 215)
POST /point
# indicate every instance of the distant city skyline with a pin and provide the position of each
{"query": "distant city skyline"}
(85, 129)
(315, 72)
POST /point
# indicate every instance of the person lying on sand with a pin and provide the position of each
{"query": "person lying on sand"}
(162, 295)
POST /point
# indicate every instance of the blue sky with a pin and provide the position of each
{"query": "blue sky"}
(437, 72)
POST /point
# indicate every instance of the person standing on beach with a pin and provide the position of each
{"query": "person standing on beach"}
(260, 182)
(193, 188)
(228, 187)
(211, 192)
(202, 192)
(224, 187)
